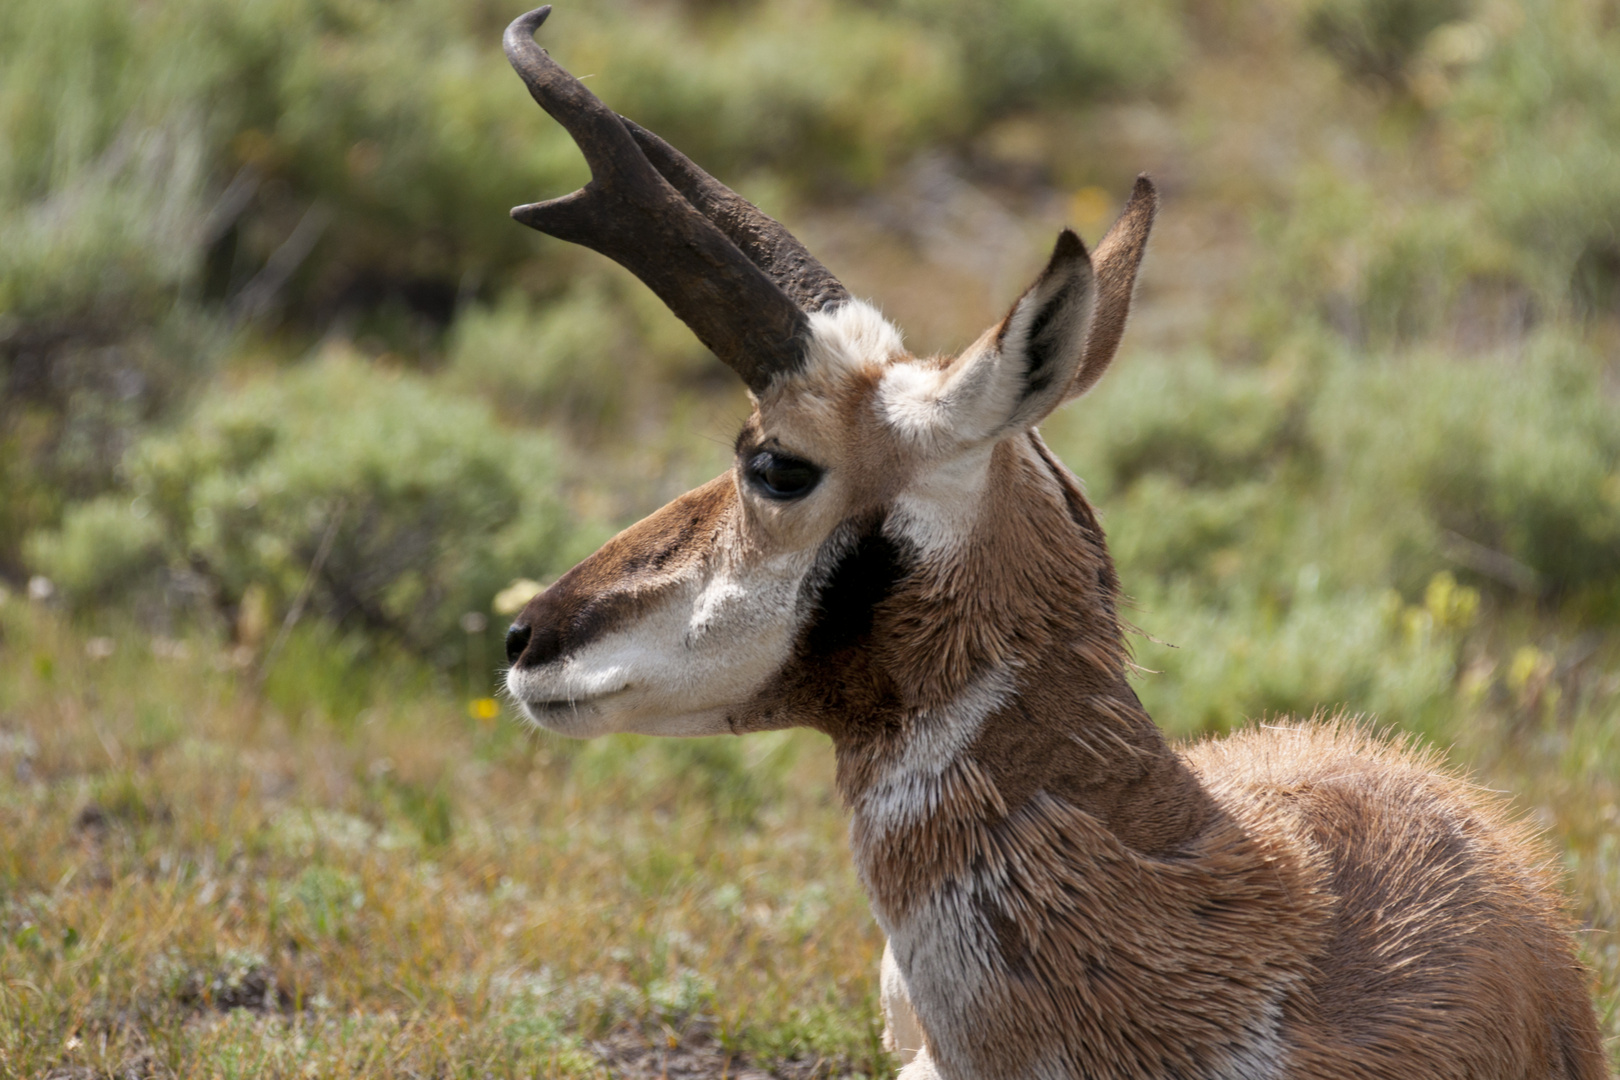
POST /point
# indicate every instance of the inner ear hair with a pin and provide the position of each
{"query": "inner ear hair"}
(1115, 263)
(1042, 336)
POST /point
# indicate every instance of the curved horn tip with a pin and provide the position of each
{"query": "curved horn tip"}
(525, 25)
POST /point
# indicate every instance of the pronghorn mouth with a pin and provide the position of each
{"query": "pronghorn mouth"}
(559, 703)
(550, 712)
(570, 704)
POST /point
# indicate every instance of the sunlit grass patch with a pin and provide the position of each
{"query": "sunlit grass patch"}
(408, 893)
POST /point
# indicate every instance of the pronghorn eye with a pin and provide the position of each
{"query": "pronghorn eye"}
(781, 477)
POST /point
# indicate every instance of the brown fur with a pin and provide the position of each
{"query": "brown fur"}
(632, 569)
(1116, 260)
(1065, 893)
(1151, 906)
(1449, 954)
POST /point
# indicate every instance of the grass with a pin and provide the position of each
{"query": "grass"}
(1360, 451)
(196, 883)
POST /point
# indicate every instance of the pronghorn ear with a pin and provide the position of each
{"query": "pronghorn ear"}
(1021, 368)
(1041, 339)
(1115, 264)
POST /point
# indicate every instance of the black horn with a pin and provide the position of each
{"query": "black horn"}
(735, 276)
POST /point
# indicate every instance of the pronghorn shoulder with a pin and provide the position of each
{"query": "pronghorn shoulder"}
(1385, 811)
(1297, 759)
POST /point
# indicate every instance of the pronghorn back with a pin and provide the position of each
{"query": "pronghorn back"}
(1420, 974)
(896, 559)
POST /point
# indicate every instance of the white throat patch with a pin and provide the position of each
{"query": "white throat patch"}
(915, 786)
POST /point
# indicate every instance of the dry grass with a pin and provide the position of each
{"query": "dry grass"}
(343, 872)
(196, 883)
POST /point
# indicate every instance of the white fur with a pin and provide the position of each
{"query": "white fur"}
(707, 644)
(932, 968)
(913, 401)
(921, 780)
(983, 393)
(922, 1067)
(938, 409)
(946, 954)
(940, 508)
(851, 336)
(943, 505)
(1266, 1057)
(902, 1034)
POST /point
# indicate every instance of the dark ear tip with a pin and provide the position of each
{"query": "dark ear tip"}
(1144, 190)
(1069, 246)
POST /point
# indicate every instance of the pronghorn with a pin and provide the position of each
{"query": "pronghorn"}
(897, 560)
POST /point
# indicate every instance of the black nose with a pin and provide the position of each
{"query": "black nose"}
(517, 639)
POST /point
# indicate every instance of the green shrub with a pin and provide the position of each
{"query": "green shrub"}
(155, 158)
(1279, 530)
(122, 231)
(1378, 267)
(1523, 110)
(1517, 457)
(105, 548)
(1227, 491)
(580, 357)
(1187, 418)
(813, 91)
(1056, 52)
(1540, 112)
(403, 124)
(1362, 653)
(1377, 40)
(423, 507)
(1164, 529)
(846, 89)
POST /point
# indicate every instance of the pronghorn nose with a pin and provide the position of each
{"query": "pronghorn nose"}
(525, 648)
(517, 639)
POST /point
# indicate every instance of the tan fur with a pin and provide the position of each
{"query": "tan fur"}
(1449, 954)
(634, 567)
(1066, 895)
(1116, 260)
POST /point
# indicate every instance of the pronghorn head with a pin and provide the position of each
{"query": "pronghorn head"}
(891, 530)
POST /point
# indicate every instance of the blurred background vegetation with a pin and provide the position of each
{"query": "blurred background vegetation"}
(288, 400)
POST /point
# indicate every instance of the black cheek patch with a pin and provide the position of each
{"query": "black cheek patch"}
(864, 577)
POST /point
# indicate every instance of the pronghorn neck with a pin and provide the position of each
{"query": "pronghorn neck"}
(1011, 740)
(1031, 844)
(997, 676)
(1057, 731)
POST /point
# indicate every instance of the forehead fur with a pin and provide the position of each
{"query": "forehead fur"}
(824, 412)
(852, 336)
(849, 348)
